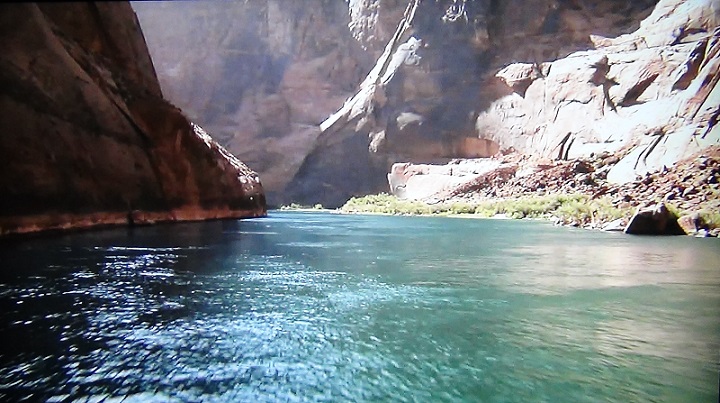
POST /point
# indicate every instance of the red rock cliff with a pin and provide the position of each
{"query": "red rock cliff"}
(87, 138)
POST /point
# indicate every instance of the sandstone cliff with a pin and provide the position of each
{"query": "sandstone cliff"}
(644, 100)
(88, 138)
(650, 95)
(263, 72)
(338, 92)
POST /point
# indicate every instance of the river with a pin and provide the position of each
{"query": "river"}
(317, 306)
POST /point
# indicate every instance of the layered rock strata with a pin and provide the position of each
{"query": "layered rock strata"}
(88, 138)
(650, 95)
(272, 73)
(444, 88)
(335, 93)
(642, 101)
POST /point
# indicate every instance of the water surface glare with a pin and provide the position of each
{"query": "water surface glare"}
(305, 306)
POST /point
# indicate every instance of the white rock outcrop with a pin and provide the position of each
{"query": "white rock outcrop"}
(651, 95)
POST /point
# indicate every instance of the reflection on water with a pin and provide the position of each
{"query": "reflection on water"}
(317, 306)
(614, 262)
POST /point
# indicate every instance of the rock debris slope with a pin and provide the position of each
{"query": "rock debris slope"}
(87, 138)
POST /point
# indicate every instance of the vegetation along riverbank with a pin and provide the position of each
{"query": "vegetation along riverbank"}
(684, 198)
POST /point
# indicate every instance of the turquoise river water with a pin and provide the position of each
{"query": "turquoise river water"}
(304, 306)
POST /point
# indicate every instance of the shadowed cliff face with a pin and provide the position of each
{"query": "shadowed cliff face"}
(341, 91)
(263, 72)
(87, 137)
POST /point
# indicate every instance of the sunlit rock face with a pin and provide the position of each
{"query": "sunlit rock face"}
(335, 93)
(650, 96)
(269, 73)
(88, 138)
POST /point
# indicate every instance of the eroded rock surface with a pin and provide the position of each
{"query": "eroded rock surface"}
(336, 93)
(650, 95)
(640, 109)
(270, 73)
(262, 72)
(88, 138)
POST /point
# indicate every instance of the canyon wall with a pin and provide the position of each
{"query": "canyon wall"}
(261, 72)
(334, 93)
(87, 138)
(650, 96)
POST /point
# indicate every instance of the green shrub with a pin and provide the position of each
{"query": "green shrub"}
(568, 207)
(296, 206)
(710, 217)
(292, 206)
(575, 210)
(385, 203)
(462, 208)
(486, 210)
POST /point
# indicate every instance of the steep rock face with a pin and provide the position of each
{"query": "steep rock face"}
(429, 81)
(87, 137)
(650, 97)
(445, 87)
(263, 72)
(651, 94)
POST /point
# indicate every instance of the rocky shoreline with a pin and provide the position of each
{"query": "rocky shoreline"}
(681, 199)
(691, 186)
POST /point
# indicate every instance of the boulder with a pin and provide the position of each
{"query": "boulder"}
(433, 182)
(692, 224)
(519, 76)
(654, 220)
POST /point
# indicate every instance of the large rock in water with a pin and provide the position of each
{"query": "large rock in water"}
(654, 220)
(87, 138)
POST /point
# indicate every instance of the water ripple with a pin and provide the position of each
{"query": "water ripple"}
(314, 307)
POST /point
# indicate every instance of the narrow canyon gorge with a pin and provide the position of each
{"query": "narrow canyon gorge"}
(360, 201)
(325, 98)
(105, 109)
